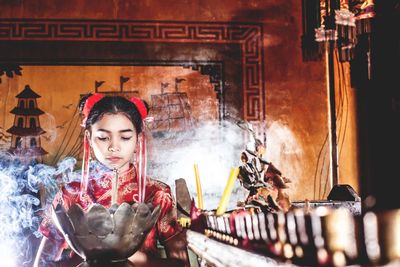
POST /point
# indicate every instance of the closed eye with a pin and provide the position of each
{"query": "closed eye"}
(126, 138)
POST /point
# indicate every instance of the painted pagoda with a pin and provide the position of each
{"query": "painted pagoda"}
(26, 131)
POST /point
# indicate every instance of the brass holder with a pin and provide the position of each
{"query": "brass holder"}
(105, 237)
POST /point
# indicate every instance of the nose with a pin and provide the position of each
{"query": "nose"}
(114, 146)
(113, 149)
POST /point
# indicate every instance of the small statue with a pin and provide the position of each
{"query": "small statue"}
(263, 180)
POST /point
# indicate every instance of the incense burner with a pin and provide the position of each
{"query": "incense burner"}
(101, 235)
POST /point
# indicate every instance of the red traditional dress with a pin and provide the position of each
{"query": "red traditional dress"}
(99, 191)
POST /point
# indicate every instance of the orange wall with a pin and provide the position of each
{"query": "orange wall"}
(296, 93)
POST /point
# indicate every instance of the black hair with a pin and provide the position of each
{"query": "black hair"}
(112, 105)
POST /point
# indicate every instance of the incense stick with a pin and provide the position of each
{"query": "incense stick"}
(114, 188)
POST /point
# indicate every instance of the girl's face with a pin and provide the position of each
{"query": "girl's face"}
(113, 139)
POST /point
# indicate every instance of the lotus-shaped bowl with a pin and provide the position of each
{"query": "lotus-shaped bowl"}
(102, 234)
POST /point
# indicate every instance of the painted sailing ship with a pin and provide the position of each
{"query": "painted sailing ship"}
(171, 110)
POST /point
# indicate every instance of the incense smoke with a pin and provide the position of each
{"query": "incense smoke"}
(21, 186)
(215, 147)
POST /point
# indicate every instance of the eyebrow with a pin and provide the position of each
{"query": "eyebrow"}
(121, 131)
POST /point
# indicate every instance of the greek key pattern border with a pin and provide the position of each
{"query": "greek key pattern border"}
(249, 36)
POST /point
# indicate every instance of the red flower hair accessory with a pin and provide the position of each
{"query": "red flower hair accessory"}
(93, 99)
(140, 106)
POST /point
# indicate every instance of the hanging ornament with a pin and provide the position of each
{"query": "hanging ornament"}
(364, 13)
(346, 32)
(326, 32)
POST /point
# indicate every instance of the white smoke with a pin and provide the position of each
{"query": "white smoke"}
(285, 151)
(20, 207)
(49, 125)
(215, 147)
(17, 209)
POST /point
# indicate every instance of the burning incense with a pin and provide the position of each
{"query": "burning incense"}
(227, 192)
(114, 187)
(198, 188)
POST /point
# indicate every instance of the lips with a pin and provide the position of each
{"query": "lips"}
(113, 159)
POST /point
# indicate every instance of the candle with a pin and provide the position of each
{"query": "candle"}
(227, 192)
(198, 188)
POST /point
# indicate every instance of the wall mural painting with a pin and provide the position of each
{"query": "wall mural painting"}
(41, 118)
(40, 111)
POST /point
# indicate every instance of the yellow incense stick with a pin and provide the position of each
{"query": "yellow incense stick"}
(198, 188)
(227, 192)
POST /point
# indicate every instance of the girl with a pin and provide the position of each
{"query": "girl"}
(114, 134)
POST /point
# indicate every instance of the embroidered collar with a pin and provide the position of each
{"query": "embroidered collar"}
(99, 171)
